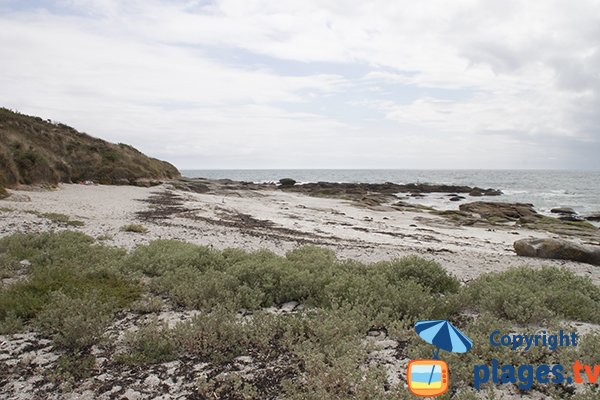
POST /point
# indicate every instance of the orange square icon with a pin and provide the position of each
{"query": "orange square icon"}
(427, 378)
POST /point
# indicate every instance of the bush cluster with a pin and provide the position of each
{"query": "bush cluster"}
(73, 287)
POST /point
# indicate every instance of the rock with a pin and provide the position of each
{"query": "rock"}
(131, 394)
(289, 307)
(558, 249)
(571, 218)
(18, 198)
(593, 217)
(562, 210)
(152, 381)
(484, 192)
(504, 211)
(456, 198)
(287, 182)
(25, 263)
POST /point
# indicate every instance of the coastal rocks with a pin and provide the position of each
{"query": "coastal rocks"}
(383, 192)
(557, 249)
(484, 192)
(456, 198)
(287, 182)
(498, 212)
(593, 217)
(563, 211)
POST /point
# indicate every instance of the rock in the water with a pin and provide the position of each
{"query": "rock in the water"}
(484, 192)
(558, 249)
(287, 182)
(571, 218)
(593, 217)
(562, 210)
(456, 198)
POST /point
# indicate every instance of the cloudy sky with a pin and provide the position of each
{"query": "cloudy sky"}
(315, 83)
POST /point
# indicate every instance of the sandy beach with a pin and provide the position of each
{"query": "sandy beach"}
(267, 218)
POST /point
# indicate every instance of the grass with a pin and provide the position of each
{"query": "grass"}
(74, 288)
(134, 228)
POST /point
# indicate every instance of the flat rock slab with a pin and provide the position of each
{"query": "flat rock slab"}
(558, 249)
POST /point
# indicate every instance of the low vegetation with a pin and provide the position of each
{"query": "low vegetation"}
(135, 228)
(61, 219)
(75, 287)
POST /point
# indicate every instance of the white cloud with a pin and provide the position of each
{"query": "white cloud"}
(442, 79)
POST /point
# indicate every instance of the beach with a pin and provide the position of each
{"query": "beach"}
(178, 320)
(262, 217)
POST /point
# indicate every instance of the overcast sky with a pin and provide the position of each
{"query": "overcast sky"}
(315, 83)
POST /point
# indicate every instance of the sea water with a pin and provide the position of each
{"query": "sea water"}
(545, 189)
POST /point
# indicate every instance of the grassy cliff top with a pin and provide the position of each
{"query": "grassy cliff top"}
(37, 151)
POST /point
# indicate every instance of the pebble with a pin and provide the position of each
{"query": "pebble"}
(152, 381)
(131, 394)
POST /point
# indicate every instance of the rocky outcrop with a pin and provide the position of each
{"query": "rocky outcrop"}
(383, 191)
(558, 249)
(484, 192)
(499, 211)
(287, 182)
(593, 217)
(563, 211)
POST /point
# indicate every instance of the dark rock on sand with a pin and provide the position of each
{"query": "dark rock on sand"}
(558, 249)
(562, 210)
(499, 211)
(287, 182)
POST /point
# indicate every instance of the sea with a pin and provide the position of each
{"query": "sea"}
(545, 189)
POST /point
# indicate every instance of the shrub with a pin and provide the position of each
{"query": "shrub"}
(135, 228)
(61, 219)
(10, 324)
(75, 323)
(152, 343)
(72, 368)
(528, 295)
(425, 272)
(161, 256)
(27, 298)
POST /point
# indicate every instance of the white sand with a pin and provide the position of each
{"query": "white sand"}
(353, 232)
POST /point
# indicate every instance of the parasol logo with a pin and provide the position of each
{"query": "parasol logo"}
(430, 378)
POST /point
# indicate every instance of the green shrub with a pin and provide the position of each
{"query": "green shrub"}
(61, 219)
(528, 295)
(425, 272)
(135, 228)
(152, 343)
(27, 298)
(75, 323)
(217, 336)
(71, 368)
(66, 244)
(10, 324)
(161, 256)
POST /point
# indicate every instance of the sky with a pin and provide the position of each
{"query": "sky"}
(315, 83)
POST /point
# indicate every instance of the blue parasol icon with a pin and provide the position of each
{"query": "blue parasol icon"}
(443, 335)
